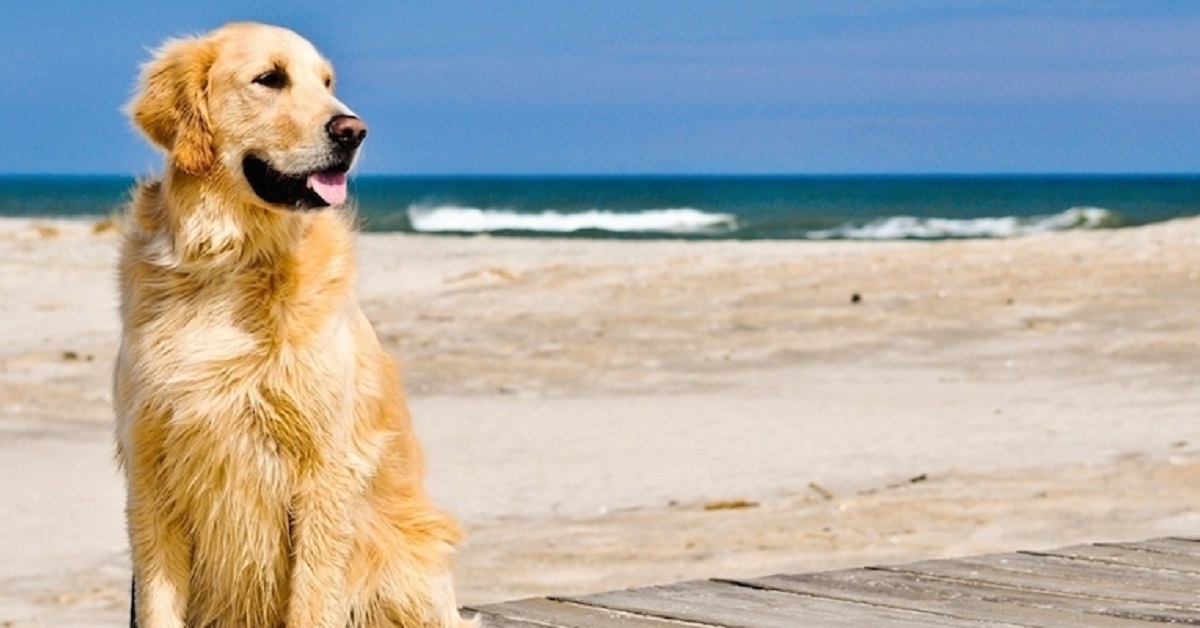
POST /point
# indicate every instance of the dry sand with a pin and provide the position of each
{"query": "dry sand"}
(610, 414)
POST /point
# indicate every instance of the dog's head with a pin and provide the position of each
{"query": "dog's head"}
(251, 106)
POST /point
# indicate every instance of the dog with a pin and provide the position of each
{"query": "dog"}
(272, 472)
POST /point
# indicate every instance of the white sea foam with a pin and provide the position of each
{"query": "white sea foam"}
(452, 218)
(909, 227)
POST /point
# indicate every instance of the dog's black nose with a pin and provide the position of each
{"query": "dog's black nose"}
(347, 131)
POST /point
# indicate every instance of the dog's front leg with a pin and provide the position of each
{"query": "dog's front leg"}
(161, 551)
(320, 525)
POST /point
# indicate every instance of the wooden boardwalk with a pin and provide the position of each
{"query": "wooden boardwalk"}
(1110, 584)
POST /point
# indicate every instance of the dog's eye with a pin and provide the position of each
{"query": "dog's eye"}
(274, 79)
(328, 83)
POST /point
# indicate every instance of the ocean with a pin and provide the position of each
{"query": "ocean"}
(704, 207)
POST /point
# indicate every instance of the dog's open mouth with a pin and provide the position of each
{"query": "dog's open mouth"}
(312, 190)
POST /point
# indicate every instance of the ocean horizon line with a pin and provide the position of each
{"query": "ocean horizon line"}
(673, 175)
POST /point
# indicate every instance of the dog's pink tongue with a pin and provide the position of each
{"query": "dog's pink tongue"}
(330, 186)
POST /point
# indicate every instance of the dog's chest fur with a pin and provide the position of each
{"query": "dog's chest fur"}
(248, 366)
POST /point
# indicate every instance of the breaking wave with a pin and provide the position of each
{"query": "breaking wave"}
(689, 222)
(912, 228)
(455, 219)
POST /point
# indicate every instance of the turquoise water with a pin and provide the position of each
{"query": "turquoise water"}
(711, 207)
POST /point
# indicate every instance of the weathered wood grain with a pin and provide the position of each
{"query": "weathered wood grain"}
(1074, 578)
(1107, 585)
(733, 606)
(1130, 555)
(544, 612)
(972, 600)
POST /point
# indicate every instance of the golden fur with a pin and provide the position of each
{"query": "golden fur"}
(272, 471)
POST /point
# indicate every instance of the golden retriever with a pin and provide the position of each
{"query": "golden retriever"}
(272, 472)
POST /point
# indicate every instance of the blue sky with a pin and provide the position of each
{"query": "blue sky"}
(656, 86)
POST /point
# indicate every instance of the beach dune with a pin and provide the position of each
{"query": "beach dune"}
(606, 414)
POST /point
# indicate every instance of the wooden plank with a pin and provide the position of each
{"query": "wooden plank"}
(733, 606)
(974, 601)
(1127, 555)
(1066, 577)
(1182, 547)
(543, 612)
(1101, 573)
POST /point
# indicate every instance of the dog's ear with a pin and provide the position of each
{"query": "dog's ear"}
(171, 107)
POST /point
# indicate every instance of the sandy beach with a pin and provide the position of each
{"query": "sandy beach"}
(604, 414)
